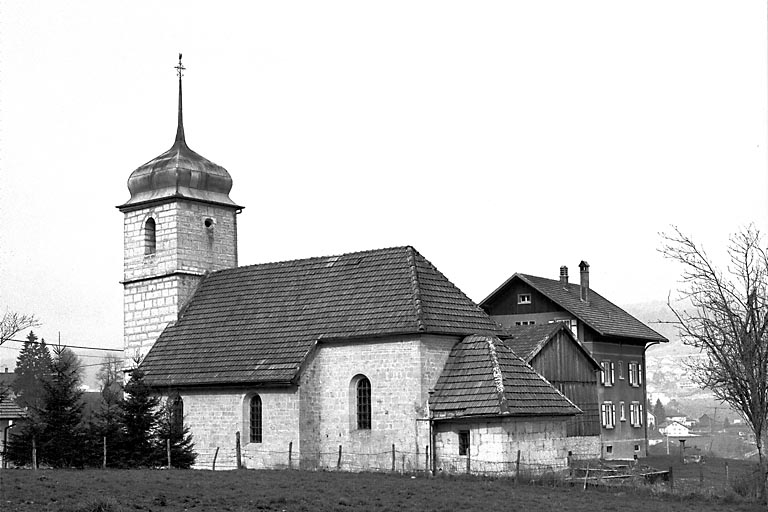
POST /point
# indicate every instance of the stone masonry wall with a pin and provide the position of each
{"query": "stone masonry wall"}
(149, 306)
(494, 444)
(158, 285)
(401, 370)
(215, 416)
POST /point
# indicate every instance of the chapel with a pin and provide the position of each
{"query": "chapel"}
(365, 360)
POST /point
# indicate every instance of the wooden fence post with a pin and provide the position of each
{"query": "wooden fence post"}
(671, 479)
(34, 453)
(215, 454)
(290, 455)
(338, 462)
(426, 458)
(402, 470)
(416, 463)
(393, 457)
(237, 450)
(517, 466)
(586, 475)
(168, 451)
(104, 457)
(469, 459)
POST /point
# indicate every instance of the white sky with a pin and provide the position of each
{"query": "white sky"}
(494, 137)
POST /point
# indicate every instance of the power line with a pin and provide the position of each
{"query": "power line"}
(67, 346)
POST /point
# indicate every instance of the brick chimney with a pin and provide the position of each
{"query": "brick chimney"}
(564, 274)
(584, 267)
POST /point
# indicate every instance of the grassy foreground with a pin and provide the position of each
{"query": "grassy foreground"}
(249, 490)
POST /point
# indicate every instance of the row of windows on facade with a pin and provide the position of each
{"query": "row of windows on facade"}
(608, 373)
(362, 390)
(608, 414)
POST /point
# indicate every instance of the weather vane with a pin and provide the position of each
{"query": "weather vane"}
(180, 68)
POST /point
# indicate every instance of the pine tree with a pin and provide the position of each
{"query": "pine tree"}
(171, 426)
(105, 423)
(33, 370)
(33, 367)
(658, 411)
(140, 415)
(63, 435)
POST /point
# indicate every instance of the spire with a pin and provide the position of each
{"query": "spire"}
(180, 127)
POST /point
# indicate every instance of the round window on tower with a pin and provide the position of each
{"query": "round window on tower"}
(209, 223)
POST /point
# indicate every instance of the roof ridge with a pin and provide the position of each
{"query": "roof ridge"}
(498, 375)
(313, 259)
(415, 289)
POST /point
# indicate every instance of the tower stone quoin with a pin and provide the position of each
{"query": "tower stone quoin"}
(179, 224)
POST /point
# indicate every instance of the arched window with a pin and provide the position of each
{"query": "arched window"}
(177, 415)
(363, 393)
(149, 236)
(255, 416)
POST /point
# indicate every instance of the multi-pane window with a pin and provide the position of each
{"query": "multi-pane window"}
(606, 373)
(363, 391)
(635, 371)
(636, 414)
(463, 442)
(149, 237)
(608, 414)
(621, 370)
(524, 298)
(255, 423)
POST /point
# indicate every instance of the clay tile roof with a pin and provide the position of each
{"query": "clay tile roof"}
(8, 408)
(484, 377)
(257, 324)
(598, 313)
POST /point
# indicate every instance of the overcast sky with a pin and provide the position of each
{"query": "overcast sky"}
(494, 137)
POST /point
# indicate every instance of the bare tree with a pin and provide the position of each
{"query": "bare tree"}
(13, 323)
(728, 321)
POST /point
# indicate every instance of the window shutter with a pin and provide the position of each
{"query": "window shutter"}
(639, 374)
(642, 413)
(612, 374)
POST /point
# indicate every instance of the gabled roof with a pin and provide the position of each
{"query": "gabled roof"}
(9, 410)
(528, 340)
(606, 318)
(483, 377)
(257, 324)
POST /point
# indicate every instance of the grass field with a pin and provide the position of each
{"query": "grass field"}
(160, 490)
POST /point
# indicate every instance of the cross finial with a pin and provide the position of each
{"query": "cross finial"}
(180, 68)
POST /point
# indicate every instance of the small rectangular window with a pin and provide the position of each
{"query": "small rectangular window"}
(463, 442)
(637, 447)
(524, 298)
(609, 449)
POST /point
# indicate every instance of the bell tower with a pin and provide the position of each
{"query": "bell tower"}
(179, 224)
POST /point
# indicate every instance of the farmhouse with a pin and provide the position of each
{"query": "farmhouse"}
(612, 336)
(11, 415)
(319, 362)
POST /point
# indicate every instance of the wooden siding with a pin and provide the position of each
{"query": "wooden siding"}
(567, 368)
(506, 303)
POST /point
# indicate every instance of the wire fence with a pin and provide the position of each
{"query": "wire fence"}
(393, 460)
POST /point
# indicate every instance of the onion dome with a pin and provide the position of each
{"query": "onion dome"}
(180, 173)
